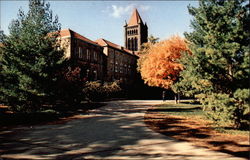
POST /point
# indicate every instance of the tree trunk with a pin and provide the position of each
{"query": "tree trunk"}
(178, 100)
(175, 99)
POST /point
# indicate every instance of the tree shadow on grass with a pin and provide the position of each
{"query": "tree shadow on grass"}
(195, 131)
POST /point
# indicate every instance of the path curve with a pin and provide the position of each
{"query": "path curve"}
(115, 131)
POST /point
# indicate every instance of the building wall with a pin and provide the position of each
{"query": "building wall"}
(91, 59)
(100, 63)
(88, 57)
(120, 65)
(66, 46)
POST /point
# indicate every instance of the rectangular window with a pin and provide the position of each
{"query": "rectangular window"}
(95, 55)
(76, 52)
(87, 73)
(95, 75)
(88, 54)
(116, 69)
(80, 52)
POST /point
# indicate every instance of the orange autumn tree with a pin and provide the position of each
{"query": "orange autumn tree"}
(160, 67)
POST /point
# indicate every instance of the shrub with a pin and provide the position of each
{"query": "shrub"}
(224, 109)
(96, 91)
(70, 86)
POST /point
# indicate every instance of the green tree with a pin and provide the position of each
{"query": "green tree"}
(30, 58)
(219, 65)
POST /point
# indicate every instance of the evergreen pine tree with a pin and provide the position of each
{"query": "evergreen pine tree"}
(30, 58)
(219, 65)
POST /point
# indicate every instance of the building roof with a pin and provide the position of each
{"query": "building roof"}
(70, 33)
(104, 43)
(135, 19)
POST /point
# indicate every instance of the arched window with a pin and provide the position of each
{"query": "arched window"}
(129, 43)
(132, 44)
(136, 44)
(136, 31)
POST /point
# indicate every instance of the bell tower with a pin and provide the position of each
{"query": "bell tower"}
(136, 32)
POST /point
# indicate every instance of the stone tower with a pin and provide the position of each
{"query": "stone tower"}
(136, 32)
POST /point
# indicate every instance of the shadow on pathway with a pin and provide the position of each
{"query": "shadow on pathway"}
(116, 131)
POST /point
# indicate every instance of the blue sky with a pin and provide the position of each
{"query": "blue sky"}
(105, 19)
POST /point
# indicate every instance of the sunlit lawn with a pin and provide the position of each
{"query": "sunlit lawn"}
(187, 109)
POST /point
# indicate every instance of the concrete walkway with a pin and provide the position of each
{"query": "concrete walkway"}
(115, 131)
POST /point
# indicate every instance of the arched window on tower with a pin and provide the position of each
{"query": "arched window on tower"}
(129, 45)
(132, 44)
(136, 44)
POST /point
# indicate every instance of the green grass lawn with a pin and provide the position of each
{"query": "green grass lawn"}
(181, 109)
(187, 109)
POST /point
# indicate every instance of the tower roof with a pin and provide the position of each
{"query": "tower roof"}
(135, 19)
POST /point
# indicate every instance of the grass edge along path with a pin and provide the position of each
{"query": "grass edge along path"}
(50, 115)
(185, 122)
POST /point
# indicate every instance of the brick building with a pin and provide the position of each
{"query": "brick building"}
(85, 53)
(102, 59)
(121, 62)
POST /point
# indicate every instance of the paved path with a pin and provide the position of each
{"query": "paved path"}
(115, 131)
